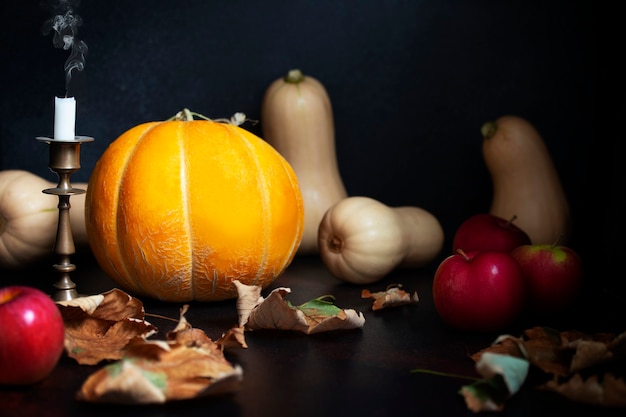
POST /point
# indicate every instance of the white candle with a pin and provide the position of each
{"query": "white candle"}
(64, 118)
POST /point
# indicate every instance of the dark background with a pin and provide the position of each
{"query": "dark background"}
(411, 82)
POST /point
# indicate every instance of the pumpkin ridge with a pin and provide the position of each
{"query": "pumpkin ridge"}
(184, 176)
(266, 206)
(293, 179)
(135, 281)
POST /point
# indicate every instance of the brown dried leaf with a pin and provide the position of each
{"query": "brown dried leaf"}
(187, 335)
(606, 390)
(393, 296)
(601, 348)
(502, 377)
(99, 327)
(160, 371)
(248, 298)
(274, 312)
(233, 338)
(560, 353)
(477, 403)
(186, 365)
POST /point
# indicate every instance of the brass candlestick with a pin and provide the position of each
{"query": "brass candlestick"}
(64, 161)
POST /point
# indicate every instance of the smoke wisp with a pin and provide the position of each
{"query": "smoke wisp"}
(64, 25)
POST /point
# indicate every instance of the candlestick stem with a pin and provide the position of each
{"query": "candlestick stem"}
(64, 161)
(64, 244)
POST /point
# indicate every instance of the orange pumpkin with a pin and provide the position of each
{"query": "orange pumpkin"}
(178, 210)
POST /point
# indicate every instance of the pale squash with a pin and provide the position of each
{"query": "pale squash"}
(177, 210)
(297, 120)
(29, 217)
(526, 183)
(362, 240)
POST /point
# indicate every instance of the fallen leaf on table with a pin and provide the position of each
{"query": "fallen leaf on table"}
(606, 390)
(186, 365)
(560, 353)
(233, 338)
(597, 350)
(393, 296)
(99, 327)
(274, 312)
(503, 376)
(185, 333)
(564, 355)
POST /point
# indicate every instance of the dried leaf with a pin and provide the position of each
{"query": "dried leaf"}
(160, 371)
(564, 355)
(503, 376)
(485, 394)
(187, 335)
(274, 312)
(606, 391)
(234, 337)
(186, 365)
(513, 370)
(599, 349)
(248, 298)
(560, 353)
(111, 305)
(394, 296)
(99, 327)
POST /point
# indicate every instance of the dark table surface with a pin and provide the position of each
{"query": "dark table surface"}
(361, 372)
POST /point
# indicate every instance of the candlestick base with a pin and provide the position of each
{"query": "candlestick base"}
(64, 161)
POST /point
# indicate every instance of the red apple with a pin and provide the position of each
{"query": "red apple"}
(487, 232)
(31, 335)
(481, 291)
(554, 276)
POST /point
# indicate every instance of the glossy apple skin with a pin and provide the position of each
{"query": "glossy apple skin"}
(487, 232)
(31, 335)
(479, 291)
(553, 274)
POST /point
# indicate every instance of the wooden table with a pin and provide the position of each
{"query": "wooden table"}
(363, 372)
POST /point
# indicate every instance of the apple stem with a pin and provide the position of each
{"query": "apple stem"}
(558, 241)
(462, 253)
(512, 219)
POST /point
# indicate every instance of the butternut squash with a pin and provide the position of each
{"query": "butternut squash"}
(297, 120)
(525, 180)
(361, 240)
(28, 218)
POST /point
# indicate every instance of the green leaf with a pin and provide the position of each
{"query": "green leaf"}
(503, 375)
(486, 394)
(512, 369)
(319, 307)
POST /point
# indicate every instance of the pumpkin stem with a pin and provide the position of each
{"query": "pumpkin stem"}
(186, 115)
(236, 119)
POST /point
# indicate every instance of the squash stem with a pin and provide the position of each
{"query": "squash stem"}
(488, 129)
(294, 76)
